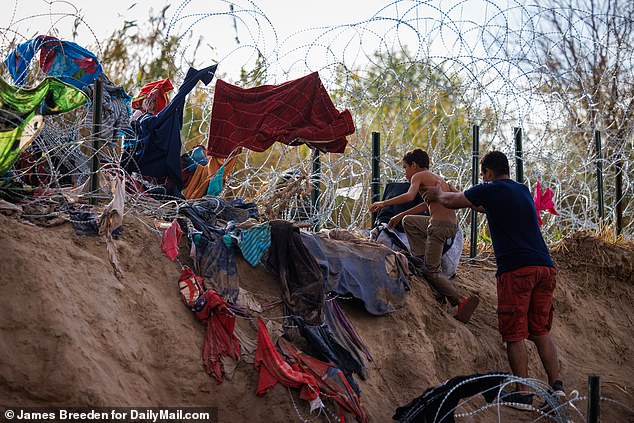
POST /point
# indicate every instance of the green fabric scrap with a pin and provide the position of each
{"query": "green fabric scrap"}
(9, 151)
(19, 105)
(52, 94)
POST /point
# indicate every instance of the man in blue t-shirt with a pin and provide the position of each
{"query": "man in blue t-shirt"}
(526, 274)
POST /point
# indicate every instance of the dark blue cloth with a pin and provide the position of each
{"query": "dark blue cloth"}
(510, 210)
(326, 348)
(251, 208)
(358, 269)
(394, 189)
(158, 149)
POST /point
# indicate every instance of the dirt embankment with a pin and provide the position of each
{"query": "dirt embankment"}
(73, 334)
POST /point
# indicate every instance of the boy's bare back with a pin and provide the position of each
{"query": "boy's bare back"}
(425, 178)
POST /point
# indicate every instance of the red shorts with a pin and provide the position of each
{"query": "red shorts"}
(525, 302)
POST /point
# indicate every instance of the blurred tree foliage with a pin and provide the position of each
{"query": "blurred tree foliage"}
(414, 100)
(134, 55)
(584, 52)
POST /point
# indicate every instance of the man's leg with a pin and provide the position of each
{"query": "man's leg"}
(514, 296)
(518, 359)
(540, 318)
(548, 355)
(416, 230)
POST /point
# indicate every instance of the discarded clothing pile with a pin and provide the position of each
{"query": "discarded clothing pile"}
(65, 60)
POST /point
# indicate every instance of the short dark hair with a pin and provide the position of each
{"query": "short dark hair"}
(418, 156)
(496, 161)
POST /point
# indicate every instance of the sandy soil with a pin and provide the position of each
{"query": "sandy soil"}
(73, 334)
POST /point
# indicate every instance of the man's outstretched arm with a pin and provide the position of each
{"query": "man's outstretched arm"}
(450, 200)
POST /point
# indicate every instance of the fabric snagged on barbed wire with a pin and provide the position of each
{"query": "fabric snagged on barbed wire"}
(158, 149)
(293, 113)
(300, 275)
(49, 97)
(204, 214)
(543, 201)
(18, 107)
(274, 369)
(367, 271)
(65, 60)
(115, 112)
(331, 380)
(153, 96)
(437, 403)
(198, 184)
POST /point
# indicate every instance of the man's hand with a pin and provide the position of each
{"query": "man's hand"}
(376, 206)
(432, 193)
(395, 220)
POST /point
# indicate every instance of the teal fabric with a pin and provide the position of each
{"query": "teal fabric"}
(255, 242)
(215, 183)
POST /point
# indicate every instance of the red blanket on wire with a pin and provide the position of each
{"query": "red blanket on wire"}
(295, 112)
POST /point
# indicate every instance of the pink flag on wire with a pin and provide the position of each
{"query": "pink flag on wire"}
(543, 201)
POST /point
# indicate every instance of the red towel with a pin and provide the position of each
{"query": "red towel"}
(169, 240)
(543, 201)
(153, 96)
(296, 112)
(219, 339)
(274, 369)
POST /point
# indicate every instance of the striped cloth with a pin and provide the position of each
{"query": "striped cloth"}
(254, 242)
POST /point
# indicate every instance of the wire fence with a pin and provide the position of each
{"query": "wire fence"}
(421, 73)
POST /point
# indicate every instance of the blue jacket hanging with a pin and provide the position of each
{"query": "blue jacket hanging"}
(158, 148)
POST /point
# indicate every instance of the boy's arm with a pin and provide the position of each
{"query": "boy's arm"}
(417, 209)
(400, 199)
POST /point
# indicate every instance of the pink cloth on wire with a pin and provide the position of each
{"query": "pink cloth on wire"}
(543, 201)
(169, 240)
(295, 112)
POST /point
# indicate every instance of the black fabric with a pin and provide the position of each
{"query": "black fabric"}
(392, 190)
(437, 403)
(300, 275)
(326, 348)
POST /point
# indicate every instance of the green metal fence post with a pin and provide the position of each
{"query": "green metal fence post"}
(97, 99)
(376, 171)
(475, 171)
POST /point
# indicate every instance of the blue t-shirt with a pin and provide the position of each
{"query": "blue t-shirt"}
(510, 210)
